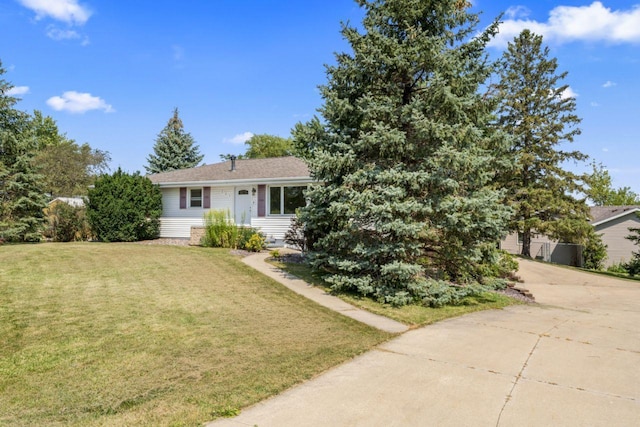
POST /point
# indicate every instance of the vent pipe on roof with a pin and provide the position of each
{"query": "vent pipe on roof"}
(233, 163)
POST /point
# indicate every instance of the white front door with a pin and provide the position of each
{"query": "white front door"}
(243, 205)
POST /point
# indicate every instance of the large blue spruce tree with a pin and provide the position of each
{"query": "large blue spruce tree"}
(405, 154)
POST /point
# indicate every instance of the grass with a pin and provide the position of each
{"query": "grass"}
(615, 274)
(128, 334)
(412, 315)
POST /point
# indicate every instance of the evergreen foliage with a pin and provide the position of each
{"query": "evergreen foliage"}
(124, 208)
(405, 155)
(174, 148)
(594, 252)
(22, 198)
(633, 266)
(534, 108)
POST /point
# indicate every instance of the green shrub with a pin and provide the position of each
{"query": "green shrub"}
(68, 223)
(595, 252)
(256, 243)
(295, 235)
(124, 208)
(617, 268)
(221, 232)
(275, 253)
(496, 264)
(633, 266)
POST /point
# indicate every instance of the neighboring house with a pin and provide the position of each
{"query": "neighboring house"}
(613, 223)
(262, 193)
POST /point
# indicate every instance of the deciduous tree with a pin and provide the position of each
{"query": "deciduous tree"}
(68, 169)
(601, 192)
(263, 145)
(537, 110)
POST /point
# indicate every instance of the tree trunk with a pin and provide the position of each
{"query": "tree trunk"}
(526, 243)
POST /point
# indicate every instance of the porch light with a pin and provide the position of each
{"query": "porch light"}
(253, 191)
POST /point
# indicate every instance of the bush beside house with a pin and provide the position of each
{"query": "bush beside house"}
(124, 208)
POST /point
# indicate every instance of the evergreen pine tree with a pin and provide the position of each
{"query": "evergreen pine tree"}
(404, 156)
(536, 110)
(22, 198)
(174, 148)
(633, 266)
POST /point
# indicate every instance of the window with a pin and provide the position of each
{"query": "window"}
(195, 198)
(285, 200)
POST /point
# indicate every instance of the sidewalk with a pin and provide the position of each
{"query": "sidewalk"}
(257, 261)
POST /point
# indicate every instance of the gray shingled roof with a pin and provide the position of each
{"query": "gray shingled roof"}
(270, 168)
(602, 213)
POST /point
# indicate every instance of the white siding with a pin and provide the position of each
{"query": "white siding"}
(613, 233)
(178, 227)
(176, 222)
(221, 198)
(273, 227)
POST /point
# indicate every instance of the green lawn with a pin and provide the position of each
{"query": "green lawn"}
(131, 334)
(412, 315)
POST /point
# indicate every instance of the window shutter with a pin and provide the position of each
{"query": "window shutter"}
(206, 197)
(262, 200)
(183, 197)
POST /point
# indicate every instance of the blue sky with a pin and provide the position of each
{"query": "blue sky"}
(110, 72)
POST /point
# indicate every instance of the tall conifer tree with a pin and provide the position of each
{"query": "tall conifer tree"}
(22, 198)
(174, 148)
(404, 156)
(536, 109)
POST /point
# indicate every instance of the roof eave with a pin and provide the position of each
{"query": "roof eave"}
(218, 183)
(621, 214)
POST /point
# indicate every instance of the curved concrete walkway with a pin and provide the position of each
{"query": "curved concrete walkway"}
(257, 261)
(571, 360)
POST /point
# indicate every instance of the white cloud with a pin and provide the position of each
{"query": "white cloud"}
(568, 93)
(69, 11)
(56, 33)
(76, 102)
(594, 104)
(605, 150)
(517, 12)
(570, 23)
(239, 139)
(18, 90)
(609, 83)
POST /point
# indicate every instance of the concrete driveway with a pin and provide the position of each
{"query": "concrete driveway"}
(571, 360)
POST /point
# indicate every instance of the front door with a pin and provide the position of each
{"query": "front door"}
(243, 205)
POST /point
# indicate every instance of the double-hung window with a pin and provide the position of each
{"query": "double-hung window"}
(284, 200)
(195, 198)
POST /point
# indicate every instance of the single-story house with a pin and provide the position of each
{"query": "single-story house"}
(261, 193)
(612, 222)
